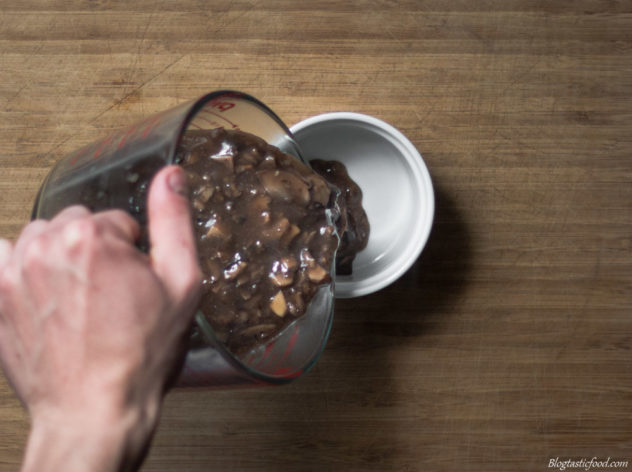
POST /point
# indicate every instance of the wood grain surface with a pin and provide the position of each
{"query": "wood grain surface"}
(508, 343)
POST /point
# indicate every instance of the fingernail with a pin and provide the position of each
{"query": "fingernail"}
(177, 182)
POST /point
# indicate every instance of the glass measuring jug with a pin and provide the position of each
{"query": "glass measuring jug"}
(115, 173)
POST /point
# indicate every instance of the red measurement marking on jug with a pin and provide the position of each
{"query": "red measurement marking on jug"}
(152, 123)
(287, 373)
(290, 345)
(269, 356)
(117, 140)
(266, 354)
(102, 146)
(221, 105)
(126, 136)
(72, 158)
(211, 122)
(216, 115)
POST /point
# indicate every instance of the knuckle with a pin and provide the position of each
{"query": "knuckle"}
(38, 223)
(35, 253)
(7, 281)
(74, 210)
(81, 232)
(192, 281)
(121, 214)
(33, 228)
(118, 219)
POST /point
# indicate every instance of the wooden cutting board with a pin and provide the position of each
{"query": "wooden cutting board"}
(508, 344)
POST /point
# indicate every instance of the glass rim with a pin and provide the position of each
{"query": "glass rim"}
(199, 103)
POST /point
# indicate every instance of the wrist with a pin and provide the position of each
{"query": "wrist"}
(90, 441)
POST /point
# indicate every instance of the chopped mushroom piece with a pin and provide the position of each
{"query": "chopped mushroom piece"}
(277, 305)
(316, 273)
(285, 185)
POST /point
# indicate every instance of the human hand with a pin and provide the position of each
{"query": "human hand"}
(91, 328)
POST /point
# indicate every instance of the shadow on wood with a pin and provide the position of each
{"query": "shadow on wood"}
(347, 413)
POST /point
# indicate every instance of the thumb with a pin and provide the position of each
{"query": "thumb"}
(173, 248)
